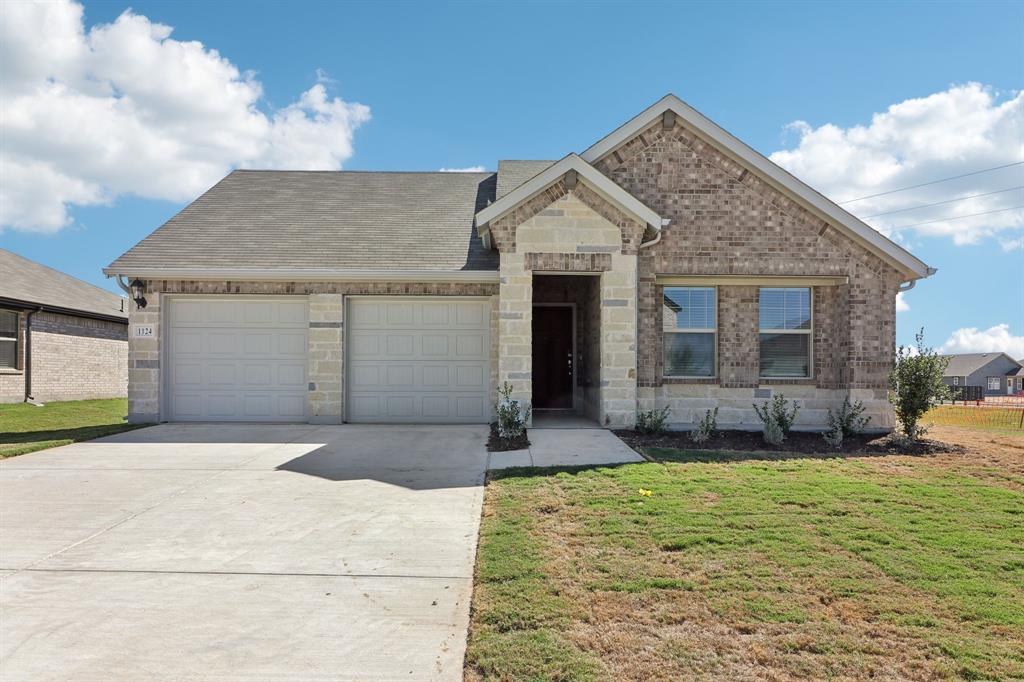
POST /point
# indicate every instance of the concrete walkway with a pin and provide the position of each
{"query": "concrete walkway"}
(567, 447)
(213, 552)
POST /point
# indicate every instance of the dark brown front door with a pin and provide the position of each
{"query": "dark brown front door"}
(552, 357)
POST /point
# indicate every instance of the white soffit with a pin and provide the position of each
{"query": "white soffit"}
(772, 173)
(595, 179)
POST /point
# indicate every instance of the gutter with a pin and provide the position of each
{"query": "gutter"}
(910, 283)
(36, 307)
(305, 275)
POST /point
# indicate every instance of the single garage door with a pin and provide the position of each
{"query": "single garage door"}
(241, 359)
(416, 360)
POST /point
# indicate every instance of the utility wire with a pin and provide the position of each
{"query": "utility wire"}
(947, 201)
(956, 217)
(933, 182)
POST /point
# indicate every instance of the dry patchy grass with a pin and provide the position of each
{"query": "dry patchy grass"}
(889, 567)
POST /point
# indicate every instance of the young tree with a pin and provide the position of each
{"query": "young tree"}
(916, 383)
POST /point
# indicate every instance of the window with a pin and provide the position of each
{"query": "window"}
(993, 383)
(689, 317)
(785, 332)
(956, 381)
(8, 339)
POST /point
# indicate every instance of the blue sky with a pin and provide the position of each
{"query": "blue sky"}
(465, 84)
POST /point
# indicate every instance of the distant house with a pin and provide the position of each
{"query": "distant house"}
(60, 338)
(995, 373)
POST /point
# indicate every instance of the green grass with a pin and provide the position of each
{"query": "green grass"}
(886, 567)
(27, 428)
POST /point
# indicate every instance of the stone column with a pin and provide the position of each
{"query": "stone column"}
(618, 343)
(515, 317)
(326, 353)
(144, 390)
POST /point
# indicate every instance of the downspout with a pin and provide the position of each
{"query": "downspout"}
(28, 354)
(909, 284)
(636, 310)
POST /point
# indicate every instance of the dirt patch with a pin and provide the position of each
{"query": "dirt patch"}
(496, 443)
(797, 443)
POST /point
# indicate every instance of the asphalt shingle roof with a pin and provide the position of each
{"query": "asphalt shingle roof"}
(325, 220)
(27, 281)
(513, 173)
(964, 364)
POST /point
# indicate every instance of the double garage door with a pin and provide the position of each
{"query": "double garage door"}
(408, 360)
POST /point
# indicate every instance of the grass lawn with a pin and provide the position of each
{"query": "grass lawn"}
(892, 567)
(27, 428)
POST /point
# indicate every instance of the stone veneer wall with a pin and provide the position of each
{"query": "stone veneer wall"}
(560, 221)
(325, 337)
(726, 221)
(73, 358)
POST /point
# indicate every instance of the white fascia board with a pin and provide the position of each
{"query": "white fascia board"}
(594, 178)
(307, 275)
(774, 174)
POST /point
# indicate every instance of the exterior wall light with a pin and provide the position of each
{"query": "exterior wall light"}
(138, 289)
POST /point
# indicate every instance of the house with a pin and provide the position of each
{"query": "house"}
(994, 373)
(668, 264)
(60, 338)
(1015, 380)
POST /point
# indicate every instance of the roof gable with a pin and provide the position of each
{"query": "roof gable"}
(965, 364)
(773, 174)
(594, 179)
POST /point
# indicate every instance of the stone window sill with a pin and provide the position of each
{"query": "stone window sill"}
(706, 381)
(7, 371)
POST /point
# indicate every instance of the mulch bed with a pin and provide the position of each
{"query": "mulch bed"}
(796, 443)
(497, 444)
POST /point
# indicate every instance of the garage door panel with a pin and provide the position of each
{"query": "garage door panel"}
(238, 360)
(418, 361)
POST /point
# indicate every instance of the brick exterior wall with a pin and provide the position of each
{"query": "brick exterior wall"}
(726, 221)
(73, 358)
(325, 337)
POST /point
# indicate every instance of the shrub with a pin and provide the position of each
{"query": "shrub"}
(777, 410)
(772, 431)
(512, 416)
(653, 421)
(916, 385)
(849, 420)
(834, 438)
(706, 428)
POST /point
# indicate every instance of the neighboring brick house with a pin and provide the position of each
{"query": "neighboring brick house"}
(667, 265)
(60, 338)
(994, 373)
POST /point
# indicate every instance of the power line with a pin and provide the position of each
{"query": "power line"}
(956, 217)
(938, 203)
(933, 182)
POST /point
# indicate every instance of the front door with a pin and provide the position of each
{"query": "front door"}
(552, 357)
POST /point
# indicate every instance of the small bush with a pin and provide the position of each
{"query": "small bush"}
(777, 410)
(849, 420)
(772, 432)
(653, 421)
(707, 427)
(512, 416)
(916, 385)
(834, 438)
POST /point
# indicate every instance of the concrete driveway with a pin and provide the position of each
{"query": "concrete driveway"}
(250, 552)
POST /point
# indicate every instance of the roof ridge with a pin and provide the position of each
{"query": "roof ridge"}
(366, 172)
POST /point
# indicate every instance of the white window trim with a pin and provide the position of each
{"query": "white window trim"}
(692, 330)
(956, 381)
(14, 340)
(998, 384)
(809, 332)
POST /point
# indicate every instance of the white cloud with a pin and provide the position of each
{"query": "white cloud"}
(997, 339)
(125, 109)
(960, 130)
(901, 303)
(467, 169)
(1012, 244)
